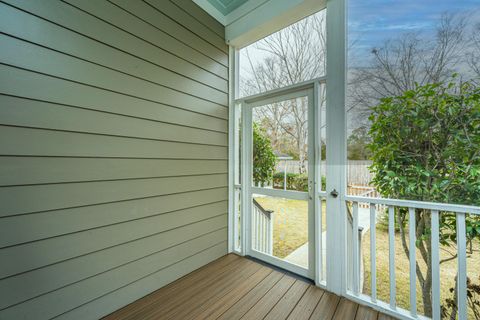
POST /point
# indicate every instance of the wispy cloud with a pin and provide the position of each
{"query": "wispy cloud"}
(371, 22)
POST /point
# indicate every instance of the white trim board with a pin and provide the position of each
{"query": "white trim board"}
(239, 12)
(257, 19)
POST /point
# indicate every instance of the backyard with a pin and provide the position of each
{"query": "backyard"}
(448, 270)
(289, 223)
(290, 233)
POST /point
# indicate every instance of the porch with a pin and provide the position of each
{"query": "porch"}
(234, 287)
(127, 187)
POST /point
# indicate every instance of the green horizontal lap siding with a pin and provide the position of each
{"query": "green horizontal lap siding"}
(31, 57)
(41, 170)
(81, 243)
(113, 152)
(14, 289)
(141, 287)
(95, 287)
(35, 114)
(24, 83)
(43, 197)
(21, 229)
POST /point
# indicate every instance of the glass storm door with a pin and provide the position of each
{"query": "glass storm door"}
(278, 175)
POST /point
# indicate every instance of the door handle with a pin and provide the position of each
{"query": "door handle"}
(334, 193)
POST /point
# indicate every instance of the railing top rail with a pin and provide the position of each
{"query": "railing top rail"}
(262, 209)
(417, 204)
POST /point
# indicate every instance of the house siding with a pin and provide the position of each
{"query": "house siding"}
(113, 152)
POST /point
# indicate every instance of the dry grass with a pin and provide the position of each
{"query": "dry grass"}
(291, 232)
(290, 223)
(447, 270)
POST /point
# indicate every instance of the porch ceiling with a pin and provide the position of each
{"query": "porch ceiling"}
(227, 6)
(246, 21)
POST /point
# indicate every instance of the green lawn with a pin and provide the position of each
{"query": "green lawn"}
(289, 223)
(290, 232)
(447, 270)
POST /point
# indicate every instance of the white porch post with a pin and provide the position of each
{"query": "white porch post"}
(336, 145)
(231, 145)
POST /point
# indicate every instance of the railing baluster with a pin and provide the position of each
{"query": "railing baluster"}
(435, 265)
(320, 239)
(356, 263)
(264, 233)
(373, 262)
(436, 209)
(257, 229)
(257, 217)
(413, 274)
(462, 267)
(270, 234)
(262, 230)
(391, 252)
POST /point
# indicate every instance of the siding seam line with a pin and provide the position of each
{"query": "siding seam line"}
(111, 269)
(110, 135)
(103, 203)
(150, 274)
(99, 41)
(111, 112)
(99, 250)
(114, 91)
(111, 224)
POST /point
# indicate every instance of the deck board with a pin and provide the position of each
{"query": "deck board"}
(346, 309)
(304, 308)
(288, 302)
(133, 310)
(269, 300)
(235, 288)
(366, 313)
(187, 301)
(326, 307)
(250, 299)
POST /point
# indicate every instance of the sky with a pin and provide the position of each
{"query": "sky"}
(371, 22)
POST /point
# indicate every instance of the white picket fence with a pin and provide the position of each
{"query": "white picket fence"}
(357, 171)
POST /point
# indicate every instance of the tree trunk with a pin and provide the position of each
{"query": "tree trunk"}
(427, 297)
(427, 285)
(453, 315)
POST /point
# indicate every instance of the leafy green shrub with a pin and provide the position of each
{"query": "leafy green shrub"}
(295, 181)
(264, 160)
(278, 180)
(425, 147)
(300, 182)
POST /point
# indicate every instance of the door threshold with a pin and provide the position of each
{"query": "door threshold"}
(282, 270)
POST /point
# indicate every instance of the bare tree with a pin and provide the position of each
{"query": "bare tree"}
(294, 54)
(401, 63)
(473, 55)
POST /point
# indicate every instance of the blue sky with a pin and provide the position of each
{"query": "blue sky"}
(371, 22)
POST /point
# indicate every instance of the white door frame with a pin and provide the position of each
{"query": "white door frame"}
(305, 90)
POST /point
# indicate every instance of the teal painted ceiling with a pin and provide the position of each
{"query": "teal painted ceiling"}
(227, 6)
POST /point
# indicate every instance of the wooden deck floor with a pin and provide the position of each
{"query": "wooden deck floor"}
(233, 287)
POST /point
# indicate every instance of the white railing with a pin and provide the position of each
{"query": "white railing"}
(435, 210)
(262, 231)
